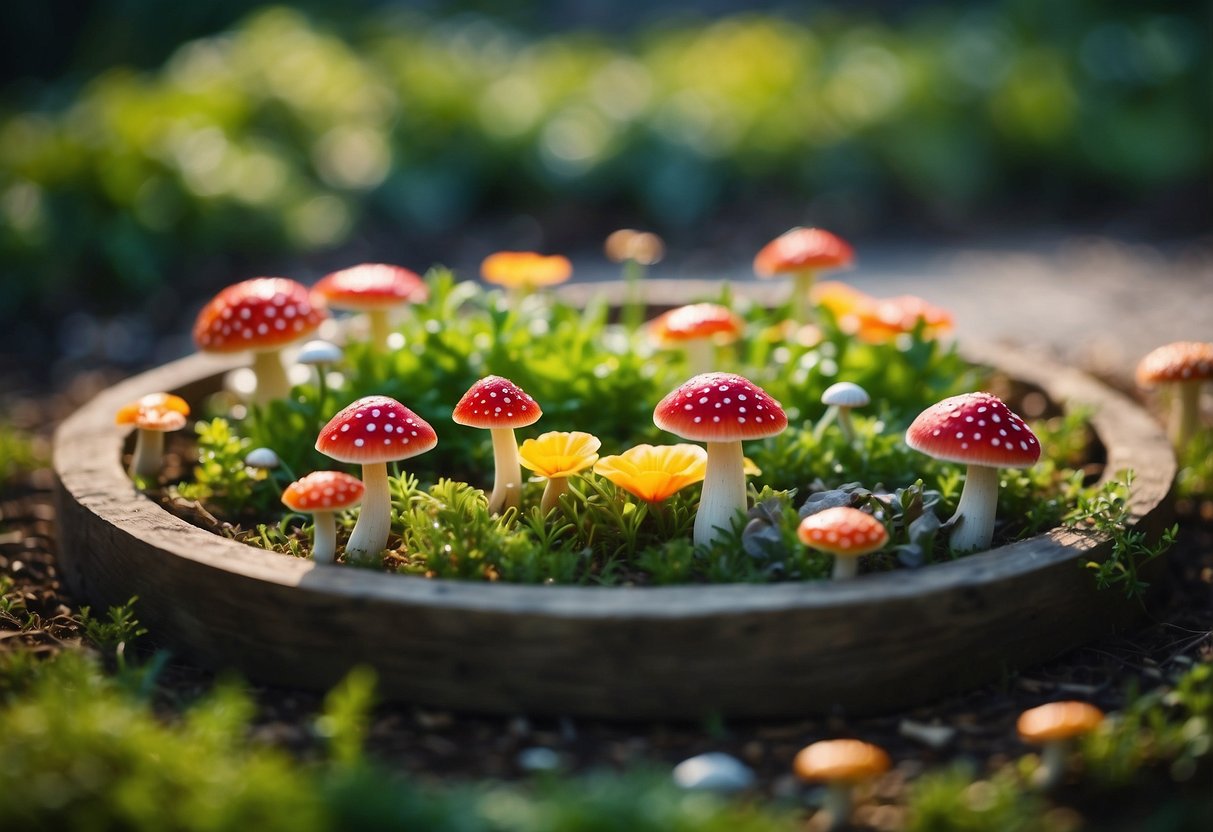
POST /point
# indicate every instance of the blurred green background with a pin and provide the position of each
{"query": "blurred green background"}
(151, 152)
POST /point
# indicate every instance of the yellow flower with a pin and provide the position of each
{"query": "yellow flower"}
(654, 472)
(559, 453)
(879, 320)
(751, 468)
(556, 455)
(525, 269)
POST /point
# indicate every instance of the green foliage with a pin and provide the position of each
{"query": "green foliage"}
(221, 478)
(81, 752)
(116, 632)
(954, 799)
(1168, 728)
(1106, 512)
(1195, 478)
(18, 453)
(407, 121)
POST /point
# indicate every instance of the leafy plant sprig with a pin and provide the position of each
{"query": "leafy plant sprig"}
(1106, 512)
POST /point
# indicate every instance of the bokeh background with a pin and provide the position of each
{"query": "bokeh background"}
(152, 152)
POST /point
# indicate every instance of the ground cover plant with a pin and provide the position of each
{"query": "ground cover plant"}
(597, 377)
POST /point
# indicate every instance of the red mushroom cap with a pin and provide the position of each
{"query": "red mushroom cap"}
(375, 429)
(802, 248)
(258, 314)
(720, 407)
(370, 286)
(323, 491)
(698, 320)
(843, 530)
(496, 402)
(1181, 361)
(974, 429)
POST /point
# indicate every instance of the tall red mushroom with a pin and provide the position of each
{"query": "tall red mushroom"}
(261, 315)
(373, 288)
(980, 431)
(499, 405)
(802, 253)
(721, 410)
(372, 432)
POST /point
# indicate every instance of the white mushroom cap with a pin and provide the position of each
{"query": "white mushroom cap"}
(845, 394)
(264, 458)
(319, 352)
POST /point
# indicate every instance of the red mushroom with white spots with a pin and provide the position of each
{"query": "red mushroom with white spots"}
(261, 315)
(721, 410)
(322, 494)
(372, 432)
(980, 431)
(373, 288)
(1183, 366)
(499, 405)
(698, 328)
(846, 533)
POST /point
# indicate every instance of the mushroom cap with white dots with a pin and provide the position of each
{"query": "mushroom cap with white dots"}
(720, 407)
(323, 491)
(375, 429)
(843, 531)
(259, 314)
(974, 429)
(496, 402)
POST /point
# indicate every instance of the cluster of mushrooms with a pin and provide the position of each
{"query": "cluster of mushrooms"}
(842, 764)
(720, 410)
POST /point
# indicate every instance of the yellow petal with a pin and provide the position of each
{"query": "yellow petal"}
(655, 472)
(559, 453)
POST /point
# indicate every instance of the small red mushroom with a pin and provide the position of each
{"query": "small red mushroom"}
(846, 533)
(697, 328)
(802, 253)
(373, 288)
(1184, 366)
(321, 494)
(498, 405)
(372, 432)
(721, 410)
(980, 431)
(262, 315)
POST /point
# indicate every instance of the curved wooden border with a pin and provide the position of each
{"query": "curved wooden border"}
(884, 641)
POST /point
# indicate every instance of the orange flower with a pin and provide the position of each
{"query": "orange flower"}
(525, 269)
(877, 320)
(654, 472)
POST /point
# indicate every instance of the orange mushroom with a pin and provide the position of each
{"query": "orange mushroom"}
(153, 415)
(1184, 365)
(321, 494)
(840, 764)
(846, 533)
(1054, 727)
(802, 253)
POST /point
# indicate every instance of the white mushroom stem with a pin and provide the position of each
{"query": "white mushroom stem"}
(369, 538)
(802, 282)
(507, 476)
(701, 355)
(272, 382)
(724, 494)
(845, 567)
(974, 516)
(842, 415)
(1053, 763)
(324, 537)
(837, 804)
(381, 327)
(551, 493)
(1185, 413)
(149, 453)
